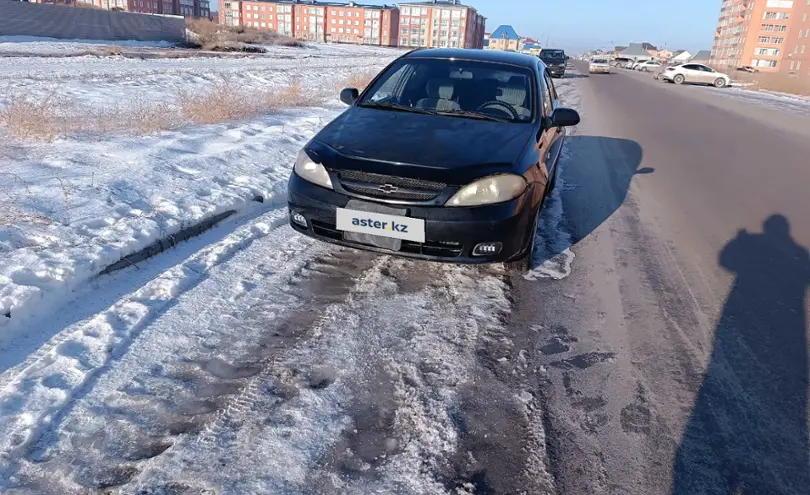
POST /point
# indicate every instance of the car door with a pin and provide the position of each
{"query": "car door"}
(551, 136)
(690, 73)
(707, 74)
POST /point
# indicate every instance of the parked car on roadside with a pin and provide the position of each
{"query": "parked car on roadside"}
(621, 62)
(599, 65)
(648, 65)
(695, 73)
(447, 155)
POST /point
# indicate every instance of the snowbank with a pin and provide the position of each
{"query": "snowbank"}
(74, 208)
(71, 208)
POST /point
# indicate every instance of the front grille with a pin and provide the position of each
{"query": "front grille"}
(389, 187)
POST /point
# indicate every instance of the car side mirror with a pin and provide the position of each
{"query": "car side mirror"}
(564, 117)
(349, 95)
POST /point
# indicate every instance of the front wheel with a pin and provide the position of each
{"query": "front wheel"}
(719, 82)
(524, 263)
(679, 79)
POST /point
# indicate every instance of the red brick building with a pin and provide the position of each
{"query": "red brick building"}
(271, 16)
(440, 24)
(145, 6)
(316, 21)
(797, 47)
(363, 24)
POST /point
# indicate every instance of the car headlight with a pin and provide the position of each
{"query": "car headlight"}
(311, 171)
(489, 190)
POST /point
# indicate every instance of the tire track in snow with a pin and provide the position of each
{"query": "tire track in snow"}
(365, 404)
(152, 401)
(43, 393)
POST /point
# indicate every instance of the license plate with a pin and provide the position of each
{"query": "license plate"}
(381, 224)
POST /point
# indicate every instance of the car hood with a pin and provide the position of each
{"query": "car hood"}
(452, 150)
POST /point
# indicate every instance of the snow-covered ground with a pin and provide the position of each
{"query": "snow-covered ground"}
(52, 46)
(248, 359)
(778, 101)
(73, 207)
(104, 81)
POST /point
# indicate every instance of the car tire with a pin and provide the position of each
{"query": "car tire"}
(678, 79)
(719, 82)
(523, 264)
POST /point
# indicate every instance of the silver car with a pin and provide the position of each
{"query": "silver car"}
(695, 73)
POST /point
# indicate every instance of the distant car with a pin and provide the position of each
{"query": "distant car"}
(447, 155)
(637, 63)
(621, 62)
(649, 65)
(555, 60)
(599, 65)
(695, 73)
(748, 68)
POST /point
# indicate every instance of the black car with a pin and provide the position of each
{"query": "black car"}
(555, 60)
(447, 155)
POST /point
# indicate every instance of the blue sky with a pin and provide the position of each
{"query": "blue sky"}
(578, 25)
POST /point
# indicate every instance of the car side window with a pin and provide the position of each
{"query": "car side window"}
(552, 91)
(393, 87)
(690, 67)
(545, 95)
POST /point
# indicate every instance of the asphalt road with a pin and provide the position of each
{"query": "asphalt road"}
(674, 358)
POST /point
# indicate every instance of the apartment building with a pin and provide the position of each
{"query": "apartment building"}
(363, 24)
(797, 46)
(272, 16)
(754, 33)
(440, 24)
(316, 21)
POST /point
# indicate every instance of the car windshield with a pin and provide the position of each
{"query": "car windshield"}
(460, 88)
(600, 61)
(552, 54)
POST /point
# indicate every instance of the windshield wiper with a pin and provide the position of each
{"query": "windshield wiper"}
(474, 115)
(389, 105)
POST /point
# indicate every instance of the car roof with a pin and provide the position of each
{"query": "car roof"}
(498, 56)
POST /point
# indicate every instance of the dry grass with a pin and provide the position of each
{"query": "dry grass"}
(212, 36)
(43, 119)
(50, 117)
(226, 102)
(112, 51)
(147, 117)
(221, 104)
(359, 80)
(293, 95)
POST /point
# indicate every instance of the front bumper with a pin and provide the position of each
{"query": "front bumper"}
(602, 70)
(450, 233)
(556, 71)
